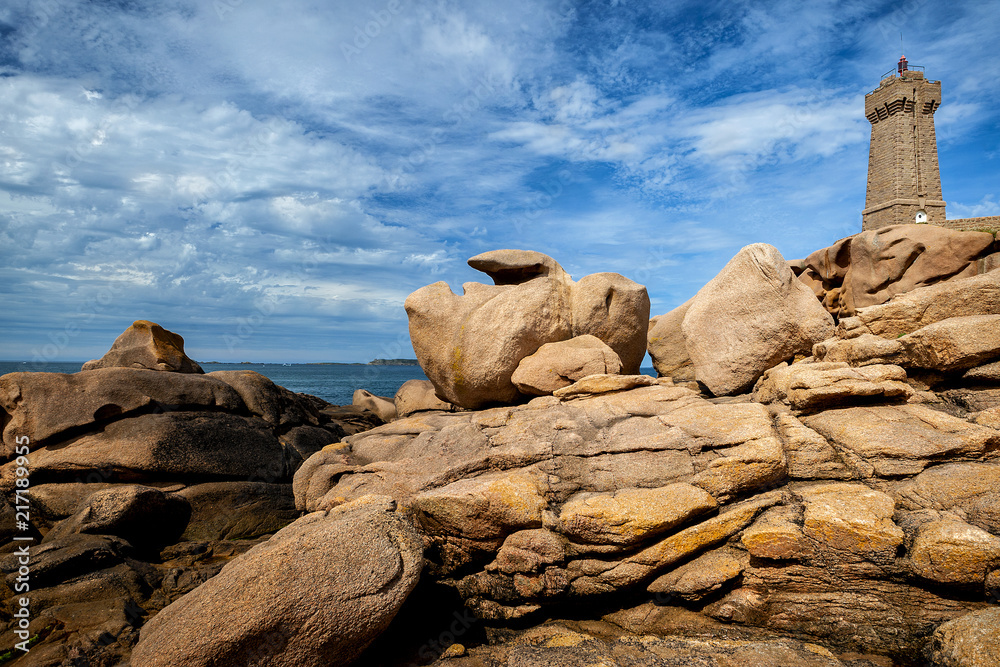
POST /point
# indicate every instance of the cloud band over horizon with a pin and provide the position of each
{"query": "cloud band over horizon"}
(271, 181)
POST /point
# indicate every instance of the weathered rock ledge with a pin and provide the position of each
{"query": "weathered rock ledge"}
(814, 480)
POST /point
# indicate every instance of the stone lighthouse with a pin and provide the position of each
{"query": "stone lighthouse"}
(904, 182)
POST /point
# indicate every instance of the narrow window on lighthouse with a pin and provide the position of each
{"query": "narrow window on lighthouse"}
(921, 217)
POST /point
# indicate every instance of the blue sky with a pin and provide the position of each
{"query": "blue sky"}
(271, 180)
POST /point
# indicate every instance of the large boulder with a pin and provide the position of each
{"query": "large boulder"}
(470, 345)
(824, 272)
(901, 258)
(665, 341)
(616, 310)
(315, 594)
(753, 315)
(147, 345)
(558, 365)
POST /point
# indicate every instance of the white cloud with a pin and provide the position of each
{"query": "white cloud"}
(198, 163)
(987, 206)
(776, 125)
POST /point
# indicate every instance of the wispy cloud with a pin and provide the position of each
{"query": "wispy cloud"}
(303, 167)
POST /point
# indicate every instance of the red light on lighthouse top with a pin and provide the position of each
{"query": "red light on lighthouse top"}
(901, 67)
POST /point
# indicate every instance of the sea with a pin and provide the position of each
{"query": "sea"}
(334, 383)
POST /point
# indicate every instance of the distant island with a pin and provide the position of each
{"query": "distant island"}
(393, 362)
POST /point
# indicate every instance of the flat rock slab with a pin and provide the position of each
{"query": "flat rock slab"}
(604, 383)
(173, 445)
(42, 405)
(907, 312)
(702, 576)
(954, 344)
(631, 515)
(950, 485)
(852, 519)
(892, 441)
(827, 384)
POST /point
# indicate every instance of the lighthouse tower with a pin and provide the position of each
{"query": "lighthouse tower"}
(904, 182)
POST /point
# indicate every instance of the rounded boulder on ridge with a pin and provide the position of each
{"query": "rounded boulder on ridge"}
(753, 315)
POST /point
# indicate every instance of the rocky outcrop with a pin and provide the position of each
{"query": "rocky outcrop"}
(157, 447)
(871, 267)
(604, 643)
(726, 340)
(845, 512)
(752, 316)
(147, 345)
(716, 509)
(128, 425)
(909, 311)
(470, 345)
(36, 407)
(615, 310)
(317, 593)
(144, 483)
